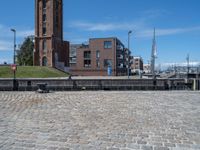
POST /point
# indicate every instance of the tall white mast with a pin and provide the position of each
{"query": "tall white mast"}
(153, 54)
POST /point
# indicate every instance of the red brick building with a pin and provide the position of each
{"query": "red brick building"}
(50, 49)
(102, 56)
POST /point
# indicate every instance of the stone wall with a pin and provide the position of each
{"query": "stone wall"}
(99, 84)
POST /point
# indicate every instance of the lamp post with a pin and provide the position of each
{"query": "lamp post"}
(14, 65)
(129, 33)
(14, 31)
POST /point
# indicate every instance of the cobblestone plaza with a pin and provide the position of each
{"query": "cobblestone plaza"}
(112, 120)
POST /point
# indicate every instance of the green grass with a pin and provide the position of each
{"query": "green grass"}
(31, 72)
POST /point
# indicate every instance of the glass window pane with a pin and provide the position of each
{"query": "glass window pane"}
(98, 64)
(44, 46)
(44, 4)
(108, 44)
(97, 54)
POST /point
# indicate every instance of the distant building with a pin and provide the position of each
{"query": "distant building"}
(102, 56)
(50, 49)
(147, 68)
(128, 61)
(72, 54)
(137, 64)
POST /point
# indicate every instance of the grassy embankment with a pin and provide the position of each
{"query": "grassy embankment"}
(31, 72)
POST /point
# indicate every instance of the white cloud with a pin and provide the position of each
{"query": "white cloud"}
(139, 28)
(164, 32)
(139, 24)
(105, 26)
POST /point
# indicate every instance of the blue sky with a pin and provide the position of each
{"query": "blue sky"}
(177, 24)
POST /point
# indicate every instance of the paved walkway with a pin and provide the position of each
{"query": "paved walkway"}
(100, 120)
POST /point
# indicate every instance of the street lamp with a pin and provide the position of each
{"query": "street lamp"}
(14, 31)
(129, 33)
(14, 65)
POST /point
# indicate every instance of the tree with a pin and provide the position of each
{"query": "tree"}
(25, 53)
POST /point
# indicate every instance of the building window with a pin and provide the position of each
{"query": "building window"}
(107, 63)
(44, 11)
(57, 10)
(97, 63)
(87, 55)
(87, 63)
(57, 4)
(44, 4)
(87, 59)
(44, 28)
(44, 45)
(107, 44)
(44, 31)
(44, 17)
(97, 54)
(57, 20)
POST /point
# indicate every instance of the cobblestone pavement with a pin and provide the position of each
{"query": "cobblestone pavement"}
(100, 120)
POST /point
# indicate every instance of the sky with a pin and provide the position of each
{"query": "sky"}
(177, 24)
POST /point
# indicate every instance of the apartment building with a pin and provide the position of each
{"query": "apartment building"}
(101, 57)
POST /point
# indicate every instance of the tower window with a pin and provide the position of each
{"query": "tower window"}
(57, 4)
(44, 31)
(44, 45)
(44, 17)
(57, 10)
(56, 19)
(44, 4)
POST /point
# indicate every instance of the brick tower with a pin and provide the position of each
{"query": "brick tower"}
(50, 49)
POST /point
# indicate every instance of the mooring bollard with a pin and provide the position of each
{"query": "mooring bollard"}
(42, 88)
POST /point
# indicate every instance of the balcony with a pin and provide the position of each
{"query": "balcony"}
(119, 47)
(121, 65)
(120, 57)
